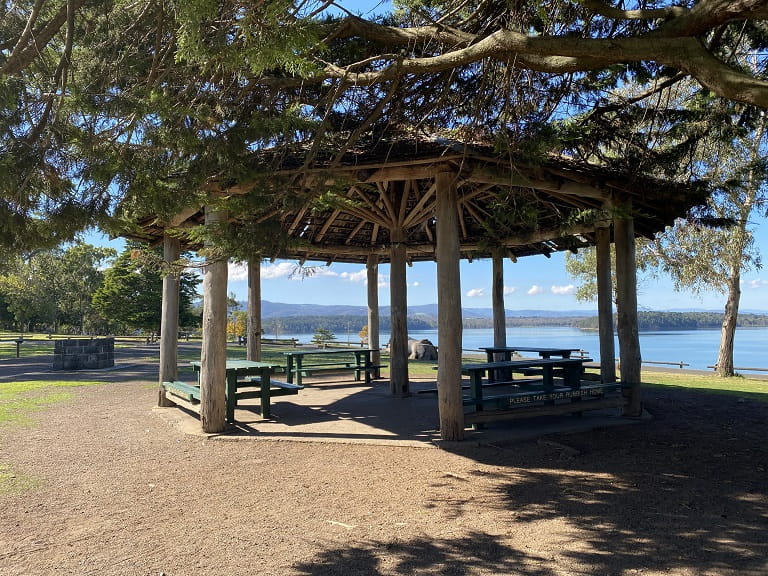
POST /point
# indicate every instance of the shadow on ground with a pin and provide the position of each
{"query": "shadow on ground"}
(684, 493)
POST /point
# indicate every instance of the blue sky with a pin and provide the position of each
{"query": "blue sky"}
(535, 282)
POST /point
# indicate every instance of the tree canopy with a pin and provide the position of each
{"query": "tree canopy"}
(132, 108)
(131, 294)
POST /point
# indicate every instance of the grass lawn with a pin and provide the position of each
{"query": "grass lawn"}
(18, 402)
(755, 388)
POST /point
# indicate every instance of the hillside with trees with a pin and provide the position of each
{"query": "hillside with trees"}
(655, 321)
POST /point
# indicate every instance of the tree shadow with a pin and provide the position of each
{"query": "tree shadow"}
(475, 553)
(687, 491)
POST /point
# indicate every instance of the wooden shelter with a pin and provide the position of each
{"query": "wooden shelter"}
(415, 200)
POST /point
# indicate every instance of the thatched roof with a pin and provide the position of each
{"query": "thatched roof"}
(346, 207)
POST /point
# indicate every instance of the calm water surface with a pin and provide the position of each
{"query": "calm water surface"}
(698, 348)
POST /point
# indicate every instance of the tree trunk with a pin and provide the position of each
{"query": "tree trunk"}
(213, 357)
(253, 330)
(372, 270)
(169, 329)
(605, 305)
(449, 325)
(728, 331)
(626, 306)
(398, 343)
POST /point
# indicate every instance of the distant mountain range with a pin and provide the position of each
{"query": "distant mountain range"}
(282, 310)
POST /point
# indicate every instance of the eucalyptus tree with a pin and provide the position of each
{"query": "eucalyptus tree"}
(682, 132)
(702, 257)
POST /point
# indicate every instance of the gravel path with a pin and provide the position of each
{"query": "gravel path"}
(98, 484)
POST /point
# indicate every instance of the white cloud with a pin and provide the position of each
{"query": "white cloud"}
(279, 270)
(564, 290)
(238, 271)
(322, 271)
(475, 293)
(509, 290)
(416, 284)
(534, 290)
(360, 277)
(757, 284)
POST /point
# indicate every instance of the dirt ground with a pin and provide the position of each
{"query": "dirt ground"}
(104, 486)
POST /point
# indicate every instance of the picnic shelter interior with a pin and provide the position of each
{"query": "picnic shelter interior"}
(417, 199)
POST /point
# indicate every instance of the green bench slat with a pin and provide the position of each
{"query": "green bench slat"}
(524, 397)
(256, 380)
(183, 390)
(276, 388)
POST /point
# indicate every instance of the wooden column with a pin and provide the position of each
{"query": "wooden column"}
(372, 269)
(398, 343)
(497, 297)
(626, 307)
(169, 324)
(449, 326)
(605, 304)
(253, 330)
(213, 356)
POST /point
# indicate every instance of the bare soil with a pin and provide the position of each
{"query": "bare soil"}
(104, 486)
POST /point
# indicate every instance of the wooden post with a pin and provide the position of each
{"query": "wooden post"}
(253, 330)
(605, 304)
(169, 324)
(213, 357)
(626, 307)
(398, 343)
(449, 325)
(372, 269)
(497, 297)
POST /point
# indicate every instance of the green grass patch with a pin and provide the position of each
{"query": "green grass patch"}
(737, 386)
(11, 481)
(19, 400)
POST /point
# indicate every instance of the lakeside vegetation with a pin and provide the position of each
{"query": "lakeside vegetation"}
(652, 321)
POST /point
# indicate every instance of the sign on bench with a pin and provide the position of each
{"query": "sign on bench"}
(503, 401)
(542, 399)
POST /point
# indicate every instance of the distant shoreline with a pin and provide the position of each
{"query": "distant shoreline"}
(648, 321)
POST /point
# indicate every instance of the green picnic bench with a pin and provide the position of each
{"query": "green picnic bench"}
(250, 387)
(357, 360)
(265, 393)
(188, 392)
(559, 391)
(244, 379)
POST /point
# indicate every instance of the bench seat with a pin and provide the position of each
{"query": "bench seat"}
(265, 393)
(539, 395)
(308, 369)
(188, 392)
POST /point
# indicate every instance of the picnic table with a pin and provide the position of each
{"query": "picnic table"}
(537, 398)
(258, 377)
(357, 360)
(542, 351)
(492, 353)
(571, 370)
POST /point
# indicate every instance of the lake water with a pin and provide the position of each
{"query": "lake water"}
(697, 348)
